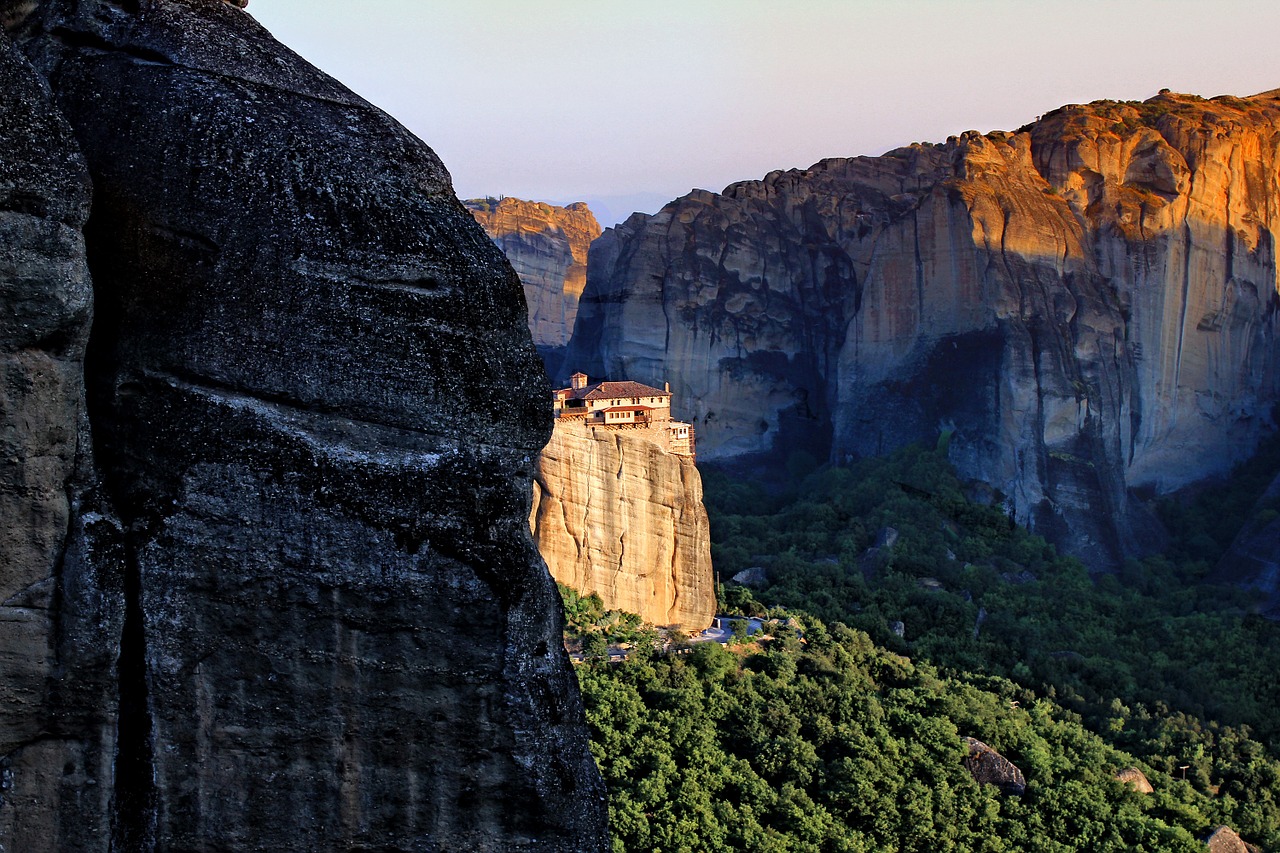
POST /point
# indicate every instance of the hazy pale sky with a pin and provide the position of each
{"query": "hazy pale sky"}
(640, 101)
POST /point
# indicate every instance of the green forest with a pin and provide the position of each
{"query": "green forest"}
(919, 617)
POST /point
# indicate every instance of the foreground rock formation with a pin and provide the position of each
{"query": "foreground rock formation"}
(547, 245)
(61, 597)
(1087, 305)
(322, 622)
(615, 514)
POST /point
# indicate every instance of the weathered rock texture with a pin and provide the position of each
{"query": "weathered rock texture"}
(1224, 839)
(315, 405)
(989, 767)
(1088, 303)
(547, 245)
(60, 608)
(1136, 779)
(615, 514)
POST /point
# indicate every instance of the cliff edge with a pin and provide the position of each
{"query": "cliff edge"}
(1087, 306)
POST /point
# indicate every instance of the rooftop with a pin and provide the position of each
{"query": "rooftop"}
(608, 390)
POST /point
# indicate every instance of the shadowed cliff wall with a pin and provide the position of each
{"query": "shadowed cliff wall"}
(316, 405)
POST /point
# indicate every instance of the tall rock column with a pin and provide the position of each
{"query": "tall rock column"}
(615, 514)
(317, 405)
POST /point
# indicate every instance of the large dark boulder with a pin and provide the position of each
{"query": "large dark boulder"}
(316, 404)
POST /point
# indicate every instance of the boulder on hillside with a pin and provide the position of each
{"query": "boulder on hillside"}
(1136, 779)
(755, 577)
(989, 767)
(1224, 839)
(887, 538)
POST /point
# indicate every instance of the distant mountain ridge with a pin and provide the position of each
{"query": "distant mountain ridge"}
(1086, 306)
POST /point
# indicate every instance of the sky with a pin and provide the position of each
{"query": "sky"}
(628, 103)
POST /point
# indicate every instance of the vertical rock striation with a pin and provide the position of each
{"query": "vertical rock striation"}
(1088, 305)
(316, 407)
(60, 598)
(547, 245)
(615, 514)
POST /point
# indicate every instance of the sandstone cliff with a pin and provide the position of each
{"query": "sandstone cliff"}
(615, 514)
(322, 622)
(1087, 303)
(547, 245)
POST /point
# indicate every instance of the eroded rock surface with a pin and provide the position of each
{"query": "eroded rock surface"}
(547, 245)
(316, 404)
(615, 514)
(1088, 305)
(61, 605)
(1224, 839)
(989, 767)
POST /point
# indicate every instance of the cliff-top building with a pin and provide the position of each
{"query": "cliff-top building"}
(617, 504)
(623, 405)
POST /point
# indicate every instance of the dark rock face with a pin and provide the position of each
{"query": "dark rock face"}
(61, 604)
(989, 767)
(1086, 306)
(316, 406)
(1253, 560)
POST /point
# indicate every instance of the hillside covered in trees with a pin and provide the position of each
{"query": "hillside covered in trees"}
(921, 616)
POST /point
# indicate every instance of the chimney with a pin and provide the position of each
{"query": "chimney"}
(666, 386)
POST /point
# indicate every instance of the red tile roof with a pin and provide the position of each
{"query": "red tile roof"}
(610, 390)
